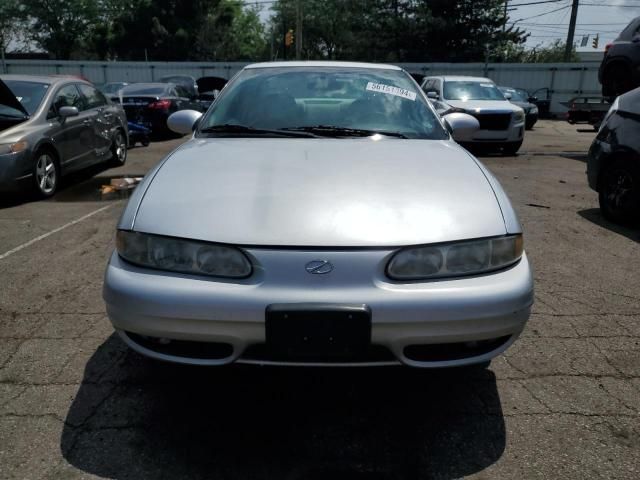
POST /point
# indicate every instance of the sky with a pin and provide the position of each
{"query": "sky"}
(550, 20)
(547, 20)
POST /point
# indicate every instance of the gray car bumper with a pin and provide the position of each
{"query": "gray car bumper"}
(14, 167)
(179, 307)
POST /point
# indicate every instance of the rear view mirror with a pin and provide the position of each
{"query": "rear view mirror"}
(65, 112)
(183, 121)
(462, 126)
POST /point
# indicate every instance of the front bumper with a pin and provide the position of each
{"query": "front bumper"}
(181, 307)
(14, 167)
(514, 134)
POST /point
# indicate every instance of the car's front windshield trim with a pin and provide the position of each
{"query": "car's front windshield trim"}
(345, 86)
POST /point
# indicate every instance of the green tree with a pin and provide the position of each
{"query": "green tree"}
(59, 26)
(231, 32)
(553, 53)
(399, 30)
(9, 24)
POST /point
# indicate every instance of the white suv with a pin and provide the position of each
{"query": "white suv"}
(501, 122)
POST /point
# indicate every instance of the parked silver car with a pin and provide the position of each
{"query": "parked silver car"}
(51, 126)
(320, 215)
(502, 123)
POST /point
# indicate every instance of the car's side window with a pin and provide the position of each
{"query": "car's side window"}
(93, 97)
(67, 96)
(181, 92)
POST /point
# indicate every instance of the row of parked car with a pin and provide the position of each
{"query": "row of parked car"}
(148, 105)
(54, 125)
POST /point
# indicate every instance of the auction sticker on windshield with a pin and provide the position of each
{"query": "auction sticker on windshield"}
(390, 90)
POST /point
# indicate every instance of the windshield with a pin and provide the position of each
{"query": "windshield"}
(179, 79)
(145, 89)
(29, 94)
(347, 98)
(111, 87)
(471, 90)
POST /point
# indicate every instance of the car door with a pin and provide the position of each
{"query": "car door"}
(103, 119)
(73, 136)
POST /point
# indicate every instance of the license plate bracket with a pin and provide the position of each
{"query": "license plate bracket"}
(318, 331)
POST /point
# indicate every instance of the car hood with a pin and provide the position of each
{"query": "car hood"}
(526, 106)
(208, 84)
(320, 192)
(9, 99)
(484, 105)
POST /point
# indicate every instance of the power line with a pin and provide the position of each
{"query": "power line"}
(545, 13)
(535, 3)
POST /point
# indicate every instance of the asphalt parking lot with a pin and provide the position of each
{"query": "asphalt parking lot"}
(564, 402)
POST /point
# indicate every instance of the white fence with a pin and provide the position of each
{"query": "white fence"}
(558, 82)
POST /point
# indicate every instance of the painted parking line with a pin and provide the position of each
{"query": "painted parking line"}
(55, 230)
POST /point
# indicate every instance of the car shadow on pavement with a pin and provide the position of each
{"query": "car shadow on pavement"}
(136, 418)
(80, 186)
(595, 216)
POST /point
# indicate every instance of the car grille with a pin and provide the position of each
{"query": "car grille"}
(493, 121)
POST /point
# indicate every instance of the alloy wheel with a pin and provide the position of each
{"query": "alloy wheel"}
(46, 174)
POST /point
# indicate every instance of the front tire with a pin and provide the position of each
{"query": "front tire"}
(46, 173)
(119, 149)
(619, 193)
(511, 148)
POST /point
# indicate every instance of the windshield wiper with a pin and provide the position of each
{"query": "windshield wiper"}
(233, 128)
(334, 131)
(17, 117)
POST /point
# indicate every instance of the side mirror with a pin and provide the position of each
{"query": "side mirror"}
(183, 121)
(432, 95)
(65, 112)
(508, 96)
(462, 126)
(532, 99)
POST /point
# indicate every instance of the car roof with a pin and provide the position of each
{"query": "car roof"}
(48, 79)
(463, 78)
(378, 66)
(150, 84)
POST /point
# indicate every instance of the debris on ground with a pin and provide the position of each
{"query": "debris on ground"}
(118, 184)
(536, 205)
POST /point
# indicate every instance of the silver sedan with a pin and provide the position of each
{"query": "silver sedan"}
(322, 214)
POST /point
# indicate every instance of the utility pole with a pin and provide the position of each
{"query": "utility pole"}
(298, 30)
(572, 30)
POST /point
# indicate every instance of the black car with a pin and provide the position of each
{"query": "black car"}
(620, 68)
(185, 81)
(208, 90)
(613, 165)
(589, 110)
(521, 98)
(150, 104)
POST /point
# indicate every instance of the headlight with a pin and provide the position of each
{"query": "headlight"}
(455, 259)
(518, 116)
(13, 147)
(183, 256)
(533, 110)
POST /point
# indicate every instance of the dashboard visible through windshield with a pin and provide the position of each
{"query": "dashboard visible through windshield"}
(327, 101)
